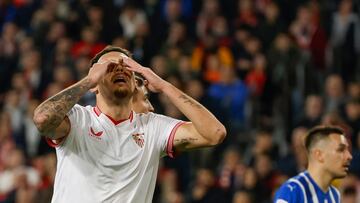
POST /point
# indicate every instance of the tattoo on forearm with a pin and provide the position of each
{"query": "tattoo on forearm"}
(190, 101)
(56, 107)
(184, 140)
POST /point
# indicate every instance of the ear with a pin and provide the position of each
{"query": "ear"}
(319, 155)
(94, 90)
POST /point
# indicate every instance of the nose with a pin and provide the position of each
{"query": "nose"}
(349, 156)
(119, 68)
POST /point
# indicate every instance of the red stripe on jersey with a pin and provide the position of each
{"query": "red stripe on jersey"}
(170, 143)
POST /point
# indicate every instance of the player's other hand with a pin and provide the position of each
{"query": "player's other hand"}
(98, 70)
(154, 82)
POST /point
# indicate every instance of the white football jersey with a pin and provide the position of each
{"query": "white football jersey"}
(102, 160)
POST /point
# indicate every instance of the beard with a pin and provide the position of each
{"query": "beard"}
(115, 94)
(121, 93)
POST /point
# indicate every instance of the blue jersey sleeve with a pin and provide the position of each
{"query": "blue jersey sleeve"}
(289, 192)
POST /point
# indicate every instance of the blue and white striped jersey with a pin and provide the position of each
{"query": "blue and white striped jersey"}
(303, 189)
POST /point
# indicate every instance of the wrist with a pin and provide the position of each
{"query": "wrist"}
(89, 82)
(166, 87)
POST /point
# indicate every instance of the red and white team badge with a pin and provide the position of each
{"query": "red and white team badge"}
(139, 139)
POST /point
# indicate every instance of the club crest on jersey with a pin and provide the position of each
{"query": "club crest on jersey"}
(139, 139)
(97, 135)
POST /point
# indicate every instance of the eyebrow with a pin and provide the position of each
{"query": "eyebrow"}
(341, 145)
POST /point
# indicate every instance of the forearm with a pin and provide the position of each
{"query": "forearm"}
(49, 114)
(206, 124)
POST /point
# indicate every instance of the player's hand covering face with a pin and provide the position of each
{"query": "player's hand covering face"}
(155, 83)
(117, 79)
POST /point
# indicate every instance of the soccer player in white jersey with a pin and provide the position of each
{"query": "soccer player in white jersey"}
(108, 153)
(329, 158)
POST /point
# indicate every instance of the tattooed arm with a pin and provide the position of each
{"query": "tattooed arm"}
(203, 130)
(50, 116)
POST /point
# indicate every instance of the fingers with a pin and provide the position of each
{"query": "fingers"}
(132, 64)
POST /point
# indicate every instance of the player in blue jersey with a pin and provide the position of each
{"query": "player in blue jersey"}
(329, 158)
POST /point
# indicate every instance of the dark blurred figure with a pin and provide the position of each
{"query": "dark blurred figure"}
(345, 40)
(204, 189)
(313, 110)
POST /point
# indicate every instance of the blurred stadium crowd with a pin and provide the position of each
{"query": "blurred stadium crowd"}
(269, 69)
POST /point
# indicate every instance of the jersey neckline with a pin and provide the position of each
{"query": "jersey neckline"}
(98, 112)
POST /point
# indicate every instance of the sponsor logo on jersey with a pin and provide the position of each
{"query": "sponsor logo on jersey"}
(139, 139)
(97, 135)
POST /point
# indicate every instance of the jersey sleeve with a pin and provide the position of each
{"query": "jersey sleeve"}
(288, 193)
(164, 128)
(77, 117)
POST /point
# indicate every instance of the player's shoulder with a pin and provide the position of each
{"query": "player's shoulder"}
(291, 185)
(290, 191)
(335, 191)
(150, 116)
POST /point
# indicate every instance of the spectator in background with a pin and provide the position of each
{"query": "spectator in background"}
(231, 169)
(313, 111)
(32, 141)
(8, 54)
(204, 188)
(242, 196)
(267, 176)
(334, 93)
(351, 116)
(60, 56)
(205, 20)
(30, 64)
(246, 14)
(204, 56)
(221, 31)
(295, 160)
(256, 77)
(345, 40)
(130, 19)
(349, 186)
(57, 30)
(95, 16)
(241, 35)
(88, 45)
(309, 35)
(18, 182)
(14, 110)
(231, 95)
(185, 70)
(353, 90)
(177, 37)
(250, 183)
(270, 26)
(63, 76)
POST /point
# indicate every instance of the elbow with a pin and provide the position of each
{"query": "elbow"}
(218, 136)
(40, 122)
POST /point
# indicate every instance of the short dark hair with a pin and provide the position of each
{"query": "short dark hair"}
(108, 49)
(318, 133)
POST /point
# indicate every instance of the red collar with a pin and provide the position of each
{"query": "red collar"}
(116, 122)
